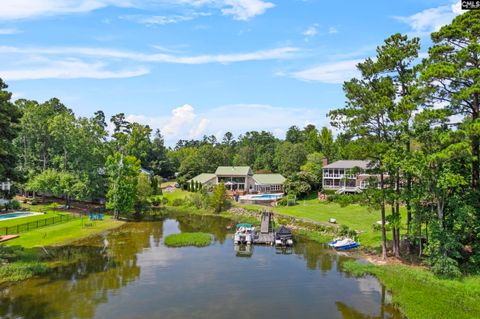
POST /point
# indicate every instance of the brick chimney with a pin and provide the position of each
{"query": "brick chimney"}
(325, 162)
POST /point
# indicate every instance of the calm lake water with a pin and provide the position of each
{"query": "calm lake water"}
(129, 274)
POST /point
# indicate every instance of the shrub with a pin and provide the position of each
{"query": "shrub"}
(198, 200)
(54, 205)
(13, 204)
(188, 239)
(218, 200)
(178, 202)
(445, 266)
(344, 230)
(156, 200)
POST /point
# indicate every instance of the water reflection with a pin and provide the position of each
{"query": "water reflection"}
(129, 273)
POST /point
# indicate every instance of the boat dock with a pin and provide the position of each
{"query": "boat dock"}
(266, 236)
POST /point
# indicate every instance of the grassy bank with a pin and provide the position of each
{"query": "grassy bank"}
(355, 217)
(63, 233)
(188, 239)
(17, 221)
(419, 294)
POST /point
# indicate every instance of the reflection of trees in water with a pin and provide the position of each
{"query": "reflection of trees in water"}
(387, 311)
(208, 224)
(315, 255)
(86, 274)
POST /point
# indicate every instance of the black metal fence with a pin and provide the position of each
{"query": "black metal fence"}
(20, 228)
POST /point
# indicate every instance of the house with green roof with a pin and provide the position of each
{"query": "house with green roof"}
(241, 179)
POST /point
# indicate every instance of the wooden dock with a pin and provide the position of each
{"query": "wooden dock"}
(266, 235)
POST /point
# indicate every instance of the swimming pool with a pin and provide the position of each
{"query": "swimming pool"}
(266, 196)
(17, 215)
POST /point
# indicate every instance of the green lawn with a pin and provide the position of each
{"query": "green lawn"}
(178, 193)
(354, 216)
(63, 233)
(17, 221)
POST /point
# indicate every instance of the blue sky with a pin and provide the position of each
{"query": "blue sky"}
(194, 67)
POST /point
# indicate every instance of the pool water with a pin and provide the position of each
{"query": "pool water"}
(268, 196)
(15, 215)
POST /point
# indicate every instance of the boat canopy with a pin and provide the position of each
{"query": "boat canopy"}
(244, 225)
(284, 232)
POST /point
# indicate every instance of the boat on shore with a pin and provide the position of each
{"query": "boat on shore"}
(343, 244)
(244, 235)
(283, 237)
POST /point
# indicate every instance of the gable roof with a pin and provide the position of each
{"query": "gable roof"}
(233, 171)
(348, 164)
(203, 178)
(269, 179)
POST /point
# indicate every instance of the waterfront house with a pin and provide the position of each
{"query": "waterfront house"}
(242, 180)
(346, 176)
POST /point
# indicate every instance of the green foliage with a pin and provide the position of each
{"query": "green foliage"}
(143, 193)
(346, 199)
(289, 157)
(199, 200)
(10, 116)
(218, 200)
(420, 294)
(188, 239)
(178, 202)
(58, 184)
(122, 192)
(21, 270)
(300, 184)
(13, 204)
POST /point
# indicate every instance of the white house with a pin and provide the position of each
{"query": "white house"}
(346, 175)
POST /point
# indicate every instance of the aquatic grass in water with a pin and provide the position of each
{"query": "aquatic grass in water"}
(188, 239)
(21, 270)
(420, 294)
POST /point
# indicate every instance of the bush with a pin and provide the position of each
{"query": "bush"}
(178, 202)
(156, 200)
(198, 200)
(188, 239)
(13, 204)
(445, 266)
(54, 205)
(345, 199)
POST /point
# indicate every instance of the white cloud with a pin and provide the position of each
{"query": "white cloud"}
(181, 118)
(432, 19)
(332, 30)
(335, 73)
(185, 123)
(68, 69)
(8, 31)
(21, 9)
(277, 53)
(311, 31)
(246, 9)
(163, 19)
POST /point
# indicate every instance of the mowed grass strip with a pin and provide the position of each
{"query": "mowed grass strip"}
(419, 294)
(188, 239)
(23, 220)
(64, 232)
